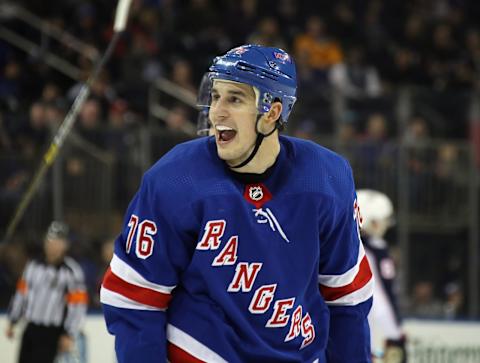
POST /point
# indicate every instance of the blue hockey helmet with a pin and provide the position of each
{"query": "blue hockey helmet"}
(271, 71)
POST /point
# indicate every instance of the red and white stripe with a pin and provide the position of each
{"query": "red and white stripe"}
(185, 348)
(124, 287)
(350, 288)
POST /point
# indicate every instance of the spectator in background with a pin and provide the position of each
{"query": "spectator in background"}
(453, 307)
(288, 15)
(317, 48)
(374, 154)
(50, 92)
(347, 140)
(420, 158)
(417, 131)
(267, 33)
(181, 75)
(51, 296)
(343, 23)
(10, 83)
(354, 79)
(178, 121)
(315, 53)
(423, 303)
(242, 16)
(89, 122)
(34, 134)
(451, 181)
(55, 112)
(357, 83)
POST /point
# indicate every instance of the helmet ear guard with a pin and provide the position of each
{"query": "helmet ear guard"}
(270, 71)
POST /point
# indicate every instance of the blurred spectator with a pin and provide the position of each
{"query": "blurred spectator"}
(267, 33)
(86, 26)
(10, 84)
(417, 132)
(454, 301)
(178, 121)
(423, 303)
(55, 112)
(241, 19)
(420, 158)
(50, 92)
(354, 79)
(289, 18)
(118, 115)
(89, 116)
(374, 154)
(317, 48)
(34, 134)
(343, 23)
(347, 141)
(450, 182)
(442, 57)
(181, 75)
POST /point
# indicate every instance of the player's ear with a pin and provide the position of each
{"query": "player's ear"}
(274, 114)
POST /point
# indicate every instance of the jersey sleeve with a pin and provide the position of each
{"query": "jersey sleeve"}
(149, 255)
(76, 298)
(345, 278)
(19, 299)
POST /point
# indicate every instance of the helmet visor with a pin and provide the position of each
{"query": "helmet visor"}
(204, 100)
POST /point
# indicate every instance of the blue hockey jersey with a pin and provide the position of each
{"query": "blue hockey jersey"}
(209, 268)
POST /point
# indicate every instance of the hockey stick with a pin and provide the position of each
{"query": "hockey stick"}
(121, 16)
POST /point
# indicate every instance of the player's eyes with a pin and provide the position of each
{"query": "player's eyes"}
(234, 99)
(230, 99)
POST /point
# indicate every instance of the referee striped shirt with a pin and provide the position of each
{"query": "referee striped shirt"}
(51, 295)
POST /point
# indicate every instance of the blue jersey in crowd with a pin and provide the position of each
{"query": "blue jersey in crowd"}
(216, 266)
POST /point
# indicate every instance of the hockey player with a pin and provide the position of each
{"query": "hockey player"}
(377, 212)
(242, 246)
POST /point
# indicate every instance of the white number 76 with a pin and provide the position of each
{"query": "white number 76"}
(144, 241)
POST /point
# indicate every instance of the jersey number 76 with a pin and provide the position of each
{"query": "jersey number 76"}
(144, 237)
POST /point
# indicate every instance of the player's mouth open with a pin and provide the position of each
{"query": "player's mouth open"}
(225, 134)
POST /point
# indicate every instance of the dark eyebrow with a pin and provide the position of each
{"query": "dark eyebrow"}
(237, 93)
(231, 92)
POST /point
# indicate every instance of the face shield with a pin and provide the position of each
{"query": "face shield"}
(204, 100)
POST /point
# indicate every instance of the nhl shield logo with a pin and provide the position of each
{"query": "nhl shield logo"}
(256, 193)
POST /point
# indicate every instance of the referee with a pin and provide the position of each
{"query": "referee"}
(52, 298)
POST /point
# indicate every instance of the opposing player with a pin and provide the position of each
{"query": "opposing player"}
(243, 246)
(378, 215)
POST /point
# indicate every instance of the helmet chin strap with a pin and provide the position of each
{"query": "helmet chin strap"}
(258, 142)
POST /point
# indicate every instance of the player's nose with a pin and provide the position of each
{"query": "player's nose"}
(219, 111)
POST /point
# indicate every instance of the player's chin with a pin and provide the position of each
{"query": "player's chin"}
(224, 154)
(227, 154)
